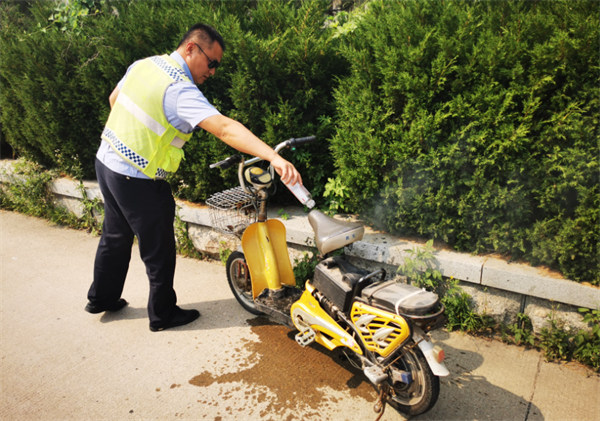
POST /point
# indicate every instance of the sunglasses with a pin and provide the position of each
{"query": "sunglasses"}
(212, 64)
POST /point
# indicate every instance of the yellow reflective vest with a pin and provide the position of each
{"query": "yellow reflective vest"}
(137, 128)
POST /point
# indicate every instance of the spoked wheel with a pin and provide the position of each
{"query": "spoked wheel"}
(422, 393)
(238, 277)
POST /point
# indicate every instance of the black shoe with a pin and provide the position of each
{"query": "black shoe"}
(96, 308)
(180, 317)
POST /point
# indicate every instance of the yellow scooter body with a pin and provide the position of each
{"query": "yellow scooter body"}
(265, 248)
(307, 313)
(380, 331)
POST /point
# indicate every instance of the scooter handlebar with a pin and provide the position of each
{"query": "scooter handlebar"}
(290, 143)
(235, 159)
(300, 141)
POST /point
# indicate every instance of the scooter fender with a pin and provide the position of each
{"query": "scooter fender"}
(439, 369)
(265, 248)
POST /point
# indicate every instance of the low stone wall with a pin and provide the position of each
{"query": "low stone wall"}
(499, 289)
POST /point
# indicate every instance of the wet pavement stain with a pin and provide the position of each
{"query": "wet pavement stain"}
(291, 373)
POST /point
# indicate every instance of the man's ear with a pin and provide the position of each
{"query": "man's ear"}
(188, 48)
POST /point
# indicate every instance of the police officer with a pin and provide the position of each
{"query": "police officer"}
(154, 109)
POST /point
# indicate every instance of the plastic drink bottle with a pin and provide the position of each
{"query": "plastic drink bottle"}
(302, 194)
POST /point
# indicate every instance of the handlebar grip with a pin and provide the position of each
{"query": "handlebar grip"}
(227, 162)
(301, 140)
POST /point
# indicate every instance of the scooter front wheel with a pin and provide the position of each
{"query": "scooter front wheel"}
(238, 277)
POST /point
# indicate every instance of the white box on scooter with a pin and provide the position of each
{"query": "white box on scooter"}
(400, 298)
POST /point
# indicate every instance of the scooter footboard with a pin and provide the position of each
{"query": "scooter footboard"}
(277, 304)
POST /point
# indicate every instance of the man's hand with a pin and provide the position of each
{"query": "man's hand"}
(236, 135)
(288, 173)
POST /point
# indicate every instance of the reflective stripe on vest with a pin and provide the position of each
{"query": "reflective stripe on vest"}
(146, 119)
(137, 128)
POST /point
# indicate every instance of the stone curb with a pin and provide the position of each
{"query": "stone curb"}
(488, 272)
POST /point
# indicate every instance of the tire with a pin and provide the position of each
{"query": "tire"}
(238, 277)
(422, 393)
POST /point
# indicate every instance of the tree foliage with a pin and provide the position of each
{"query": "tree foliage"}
(476, 123)
(472, 122)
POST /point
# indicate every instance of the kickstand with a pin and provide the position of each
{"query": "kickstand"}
(379, 406)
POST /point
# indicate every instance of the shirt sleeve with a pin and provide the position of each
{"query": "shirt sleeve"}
(185, 106)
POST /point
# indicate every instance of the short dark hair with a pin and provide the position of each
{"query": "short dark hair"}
(205, 33)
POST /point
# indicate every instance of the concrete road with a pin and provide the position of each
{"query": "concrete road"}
(61, 363)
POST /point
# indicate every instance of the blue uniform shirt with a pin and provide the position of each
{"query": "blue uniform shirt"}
(184, 105)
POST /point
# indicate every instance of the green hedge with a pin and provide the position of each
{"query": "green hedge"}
(39, 89)
(474, 123)
(56, 78)
(277, 80)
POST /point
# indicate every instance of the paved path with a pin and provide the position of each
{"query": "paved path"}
(58, 362)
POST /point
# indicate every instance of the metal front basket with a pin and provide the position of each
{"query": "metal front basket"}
(231, 211)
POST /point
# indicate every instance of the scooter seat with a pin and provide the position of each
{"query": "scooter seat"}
(332, 234)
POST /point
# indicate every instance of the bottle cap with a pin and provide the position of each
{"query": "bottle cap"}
(310, 204)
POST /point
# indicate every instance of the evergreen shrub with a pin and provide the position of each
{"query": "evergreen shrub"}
(476, 123)
(56, 78)
(59, 66)
(45, 115)
(276, 79)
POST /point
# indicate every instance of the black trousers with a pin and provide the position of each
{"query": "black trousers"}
(145, 209)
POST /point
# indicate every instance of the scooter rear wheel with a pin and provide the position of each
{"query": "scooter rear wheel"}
(422, 393)
(238, 277)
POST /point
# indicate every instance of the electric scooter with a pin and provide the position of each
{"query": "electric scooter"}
(381, 324)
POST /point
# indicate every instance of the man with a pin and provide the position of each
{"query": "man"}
(154, 109)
